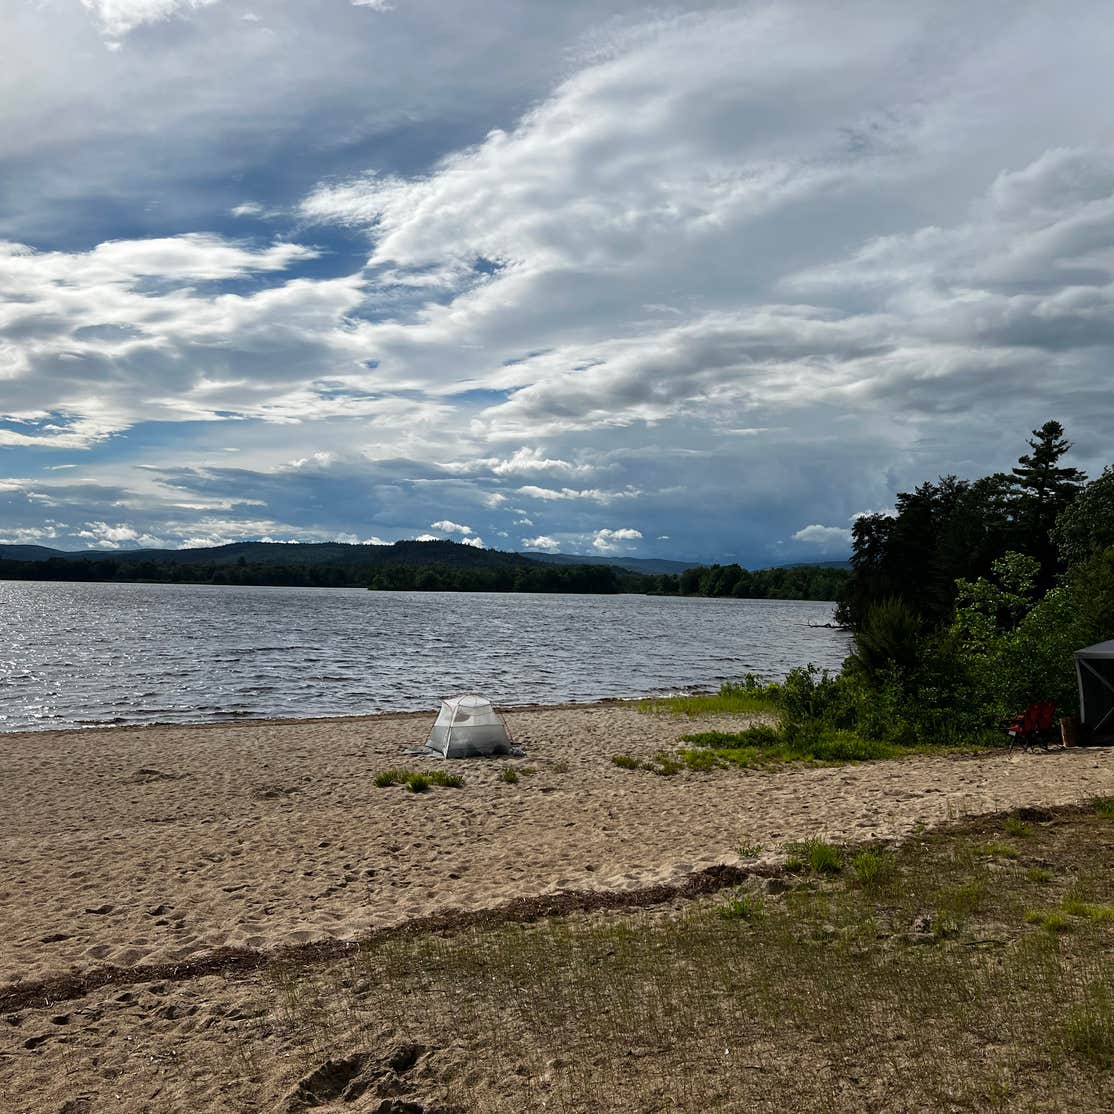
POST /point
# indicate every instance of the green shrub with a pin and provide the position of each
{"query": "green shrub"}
(626, 762)
(1104, 807)
(418, 783)
(509, 774)
(391, 777)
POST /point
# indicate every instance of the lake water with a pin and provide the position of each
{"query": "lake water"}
(77, 655)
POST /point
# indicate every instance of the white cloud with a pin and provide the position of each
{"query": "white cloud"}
(611, 541)
(475, 543)
(375, 5)
(428, 538)
(542, 541)
(826, 536)
(595, 495)
(523, 522)
(102, 535)
(118, 17)
(447, 527)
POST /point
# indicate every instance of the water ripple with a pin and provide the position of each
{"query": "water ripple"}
(97, 654)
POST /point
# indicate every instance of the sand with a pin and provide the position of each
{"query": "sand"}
(151, 846)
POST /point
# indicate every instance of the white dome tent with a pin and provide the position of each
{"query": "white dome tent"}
(468, 725)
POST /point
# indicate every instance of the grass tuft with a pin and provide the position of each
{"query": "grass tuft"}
(1104, 807)
(1016, 827)
(626, 762)
(874, 869)
(742, 907)
(816, 856)
(509, 774)
(418, 782)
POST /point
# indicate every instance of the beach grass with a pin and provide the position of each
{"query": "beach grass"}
(921, 977)
(749, 698)
(418, 781)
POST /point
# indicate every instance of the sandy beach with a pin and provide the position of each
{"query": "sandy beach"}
(152, 846)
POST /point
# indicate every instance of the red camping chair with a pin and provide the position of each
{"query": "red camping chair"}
(1034, 727)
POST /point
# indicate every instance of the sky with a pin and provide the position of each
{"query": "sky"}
(701, 281)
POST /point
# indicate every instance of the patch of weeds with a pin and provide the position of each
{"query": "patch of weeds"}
(701, 761)
(1039, 874)
(1051, 920)
(1104, 807)
(1089, 1027)
(750, 697)
(626, 762)
(391, 777)
(1016, 827)
(527, 771)
(761, 735)
(664, 765)
(446, 781)
(749, 850)
(509, 774)
(955, 904)
(766, 745)
(1100, 914)
(815, 855)
(406, 777)
(742, 907)
(994, 848)
(874, 869)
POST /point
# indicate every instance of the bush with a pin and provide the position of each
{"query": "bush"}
(626, 762)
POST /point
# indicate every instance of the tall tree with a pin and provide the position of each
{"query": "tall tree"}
(1044, 488)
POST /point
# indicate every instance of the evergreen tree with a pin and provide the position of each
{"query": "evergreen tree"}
(1043, 489)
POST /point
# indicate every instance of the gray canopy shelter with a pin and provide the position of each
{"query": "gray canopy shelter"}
(1094, 668)
(468, 725)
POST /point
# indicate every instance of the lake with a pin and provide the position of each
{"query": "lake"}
(80, 655)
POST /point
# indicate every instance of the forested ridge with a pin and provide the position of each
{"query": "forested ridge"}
(419, 566)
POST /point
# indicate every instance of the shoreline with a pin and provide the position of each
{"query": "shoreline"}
(340, 717)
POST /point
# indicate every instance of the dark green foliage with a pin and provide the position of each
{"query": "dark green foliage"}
(626, 762)
(1086, 527)
(953, 528)
(889, 638)
(1044, 489)
(791, 582)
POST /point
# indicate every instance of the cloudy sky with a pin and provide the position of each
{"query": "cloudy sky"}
(701, 281)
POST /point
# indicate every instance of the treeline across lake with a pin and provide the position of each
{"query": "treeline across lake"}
(426, 567)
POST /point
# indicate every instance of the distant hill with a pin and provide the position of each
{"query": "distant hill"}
(435, 566)
(634, 564)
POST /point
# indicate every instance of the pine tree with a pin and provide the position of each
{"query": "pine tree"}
(1043, 488)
